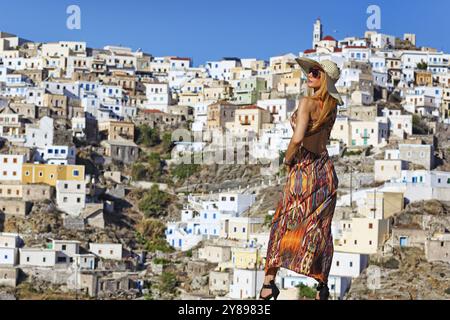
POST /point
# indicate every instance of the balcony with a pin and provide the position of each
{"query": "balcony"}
(245, 123)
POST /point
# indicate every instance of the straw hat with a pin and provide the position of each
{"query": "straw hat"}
(331, 70)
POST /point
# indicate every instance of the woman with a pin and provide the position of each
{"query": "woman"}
(300, 237)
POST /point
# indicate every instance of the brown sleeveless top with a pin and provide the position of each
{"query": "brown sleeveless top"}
(327, 125)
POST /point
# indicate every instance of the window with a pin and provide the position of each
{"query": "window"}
(370, 225)
(63, 247)
(76, 173)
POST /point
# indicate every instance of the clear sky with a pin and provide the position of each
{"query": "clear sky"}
(212, 29)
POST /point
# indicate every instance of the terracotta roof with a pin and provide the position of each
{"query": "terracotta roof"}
(310, 51)
(152, 111)
(177, 58)
(251, 107)
(337, 49)
(355, 47)
(329, 38)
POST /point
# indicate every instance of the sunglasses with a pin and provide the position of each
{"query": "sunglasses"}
(315, 72)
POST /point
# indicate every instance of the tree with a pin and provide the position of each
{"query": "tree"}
(422, 65)
(184, 170)
(146, 136)
(139, 172)
(306, 292)
(167, 143)
(168, 283)
(419, 127)
(154, 166)
(154, 203)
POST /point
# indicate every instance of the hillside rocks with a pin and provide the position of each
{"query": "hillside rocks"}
(405, 276)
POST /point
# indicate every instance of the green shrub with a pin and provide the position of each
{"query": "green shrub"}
(182, 171)
(154, 203)
(306, 292)
(146, 136)
(168, 283)
(392, 264)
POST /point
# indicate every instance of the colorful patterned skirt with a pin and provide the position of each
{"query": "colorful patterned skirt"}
(300, 236)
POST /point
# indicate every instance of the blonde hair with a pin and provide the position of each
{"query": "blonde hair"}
(329, 103)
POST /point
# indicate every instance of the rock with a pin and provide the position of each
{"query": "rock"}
(7, 296)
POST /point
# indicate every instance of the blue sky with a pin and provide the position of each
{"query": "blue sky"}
(212, 29)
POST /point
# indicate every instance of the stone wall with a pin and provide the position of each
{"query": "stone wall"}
(9, 277)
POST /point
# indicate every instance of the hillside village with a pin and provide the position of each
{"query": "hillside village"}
(108, 191)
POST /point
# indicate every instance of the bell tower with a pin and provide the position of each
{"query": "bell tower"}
(318, 33)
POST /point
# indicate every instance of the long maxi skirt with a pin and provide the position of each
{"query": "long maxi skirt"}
(300, 236)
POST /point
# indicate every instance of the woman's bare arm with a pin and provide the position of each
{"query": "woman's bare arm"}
(303, 117)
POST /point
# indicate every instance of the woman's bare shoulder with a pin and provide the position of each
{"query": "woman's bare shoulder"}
(309, 103)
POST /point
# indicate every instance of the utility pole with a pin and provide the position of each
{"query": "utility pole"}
(351, 187)
(256, 271)
(76, 278)
(374, 202)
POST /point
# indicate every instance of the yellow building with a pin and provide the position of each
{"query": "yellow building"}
(249, 119)
(423, 78)
(50, 173)
(220, 113)
(244, 258)
(115, 129)
(290, 83)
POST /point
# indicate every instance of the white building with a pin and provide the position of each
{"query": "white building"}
(158, 96)
(280, 109)
(221, 70)
(36, 257)
(60, 155)
(421, 185)
(347, 264)
(360, 133)
(11, 167)
(246, 284)
(41, 135)
(399, 124)
(109, 251)
(209, 219)
(71, 196)
(338, 286)
(9, 252)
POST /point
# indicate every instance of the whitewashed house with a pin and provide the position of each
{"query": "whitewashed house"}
(109, 251)
(246, 284)
(9, 249)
